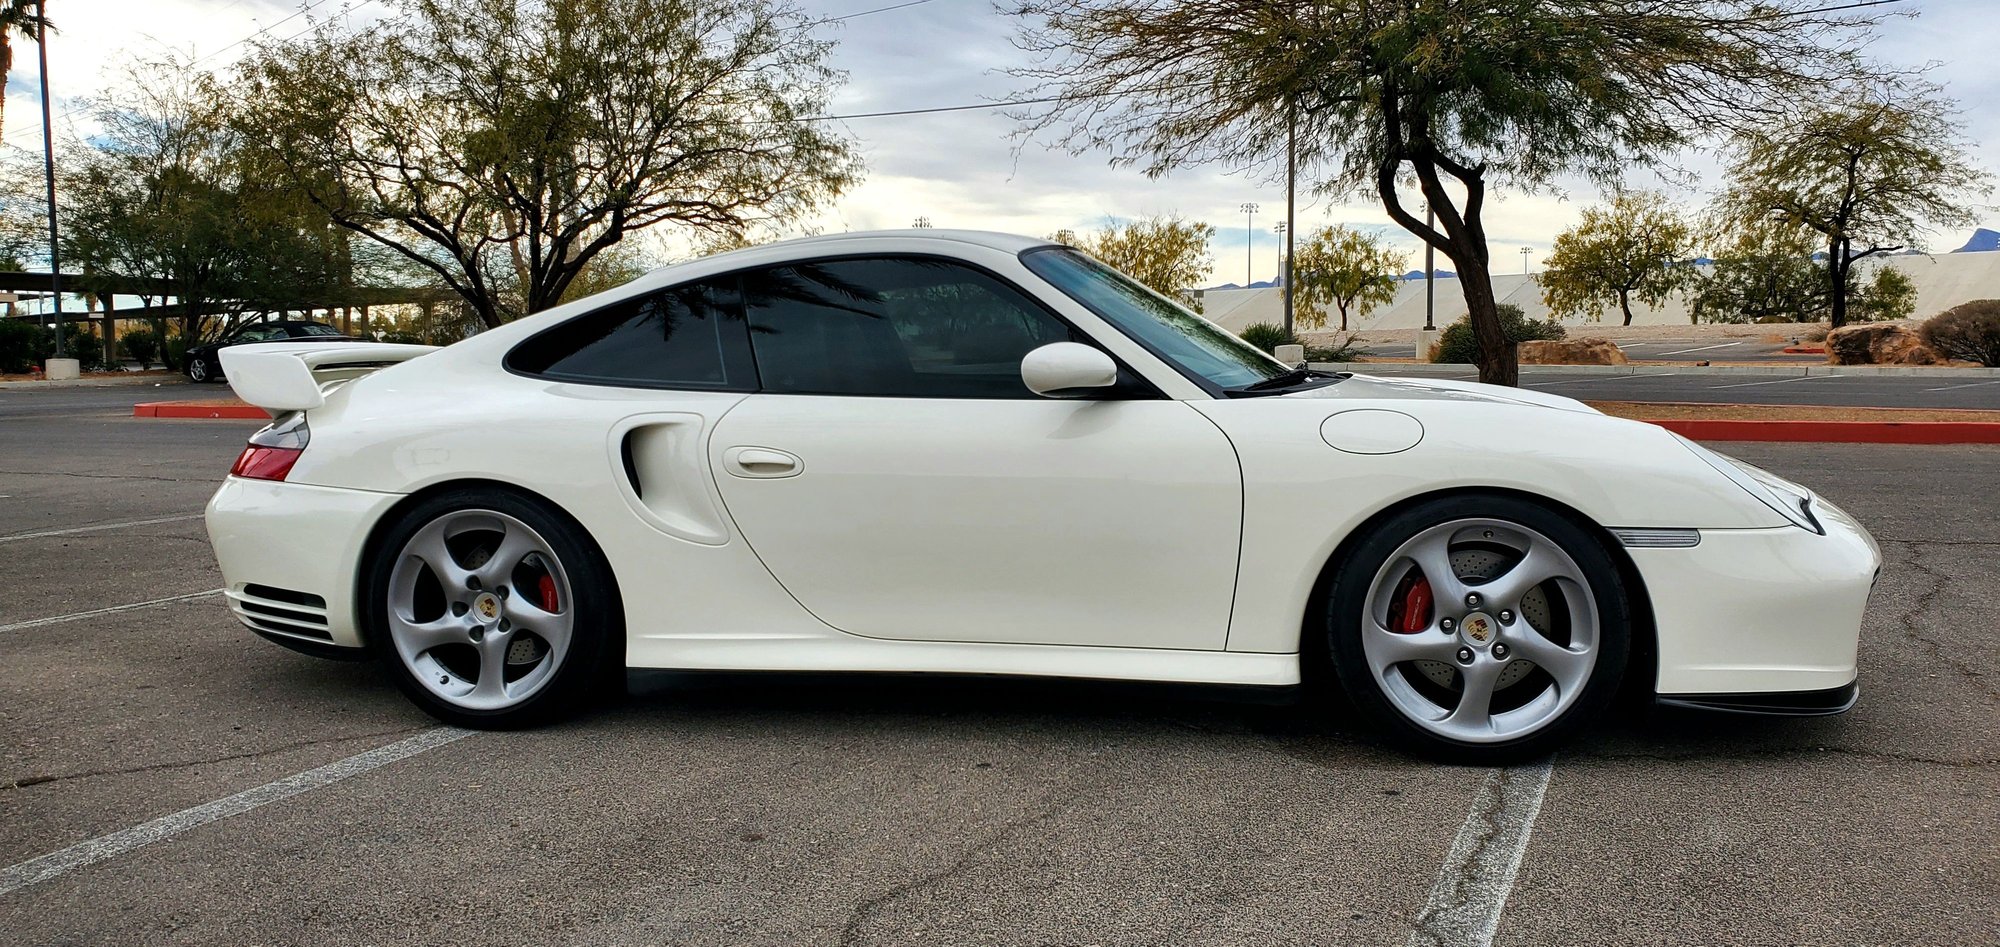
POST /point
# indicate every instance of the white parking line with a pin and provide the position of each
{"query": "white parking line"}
(1703, 348)
(83, 854)
(1780, 381)
(1471, 889)
(91, 529)
(93, 613)
(1968, 385)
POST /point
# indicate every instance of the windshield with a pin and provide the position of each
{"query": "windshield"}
(314, 328)
(1202, 350)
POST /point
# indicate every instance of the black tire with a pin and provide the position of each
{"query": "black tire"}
(198, 370)
(1347, 601)
(593, 668)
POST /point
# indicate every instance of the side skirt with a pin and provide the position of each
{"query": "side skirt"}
(850, 653)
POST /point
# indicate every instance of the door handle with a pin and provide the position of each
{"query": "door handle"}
(761, 463)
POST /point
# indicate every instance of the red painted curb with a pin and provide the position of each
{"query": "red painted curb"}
(1837, 432)
(199, 409)
(1804, 350)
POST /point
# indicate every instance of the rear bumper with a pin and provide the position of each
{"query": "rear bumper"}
(1750, 612)
(291, 557)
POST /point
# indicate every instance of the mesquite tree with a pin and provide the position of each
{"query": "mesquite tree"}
(504, 144)
(1871, 176)
(1459, 96)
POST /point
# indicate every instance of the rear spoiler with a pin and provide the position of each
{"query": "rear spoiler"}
(281, 377)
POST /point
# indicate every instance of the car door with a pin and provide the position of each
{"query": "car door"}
(900, 481)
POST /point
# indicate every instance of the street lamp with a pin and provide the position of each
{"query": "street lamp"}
(49, 168)
(921, 223)
(1249, 209)
(1524, 259)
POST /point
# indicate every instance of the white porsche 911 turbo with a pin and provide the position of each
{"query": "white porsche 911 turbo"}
(956, 452)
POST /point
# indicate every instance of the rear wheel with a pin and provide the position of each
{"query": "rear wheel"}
(492, 610)
(197, 370)
(1479, 629)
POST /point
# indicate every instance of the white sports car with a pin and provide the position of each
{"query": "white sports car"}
(958, 452)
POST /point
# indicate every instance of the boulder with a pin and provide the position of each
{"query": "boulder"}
(1881, 343)
(1571, 352)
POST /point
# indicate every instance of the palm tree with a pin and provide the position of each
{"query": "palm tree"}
(17, 17)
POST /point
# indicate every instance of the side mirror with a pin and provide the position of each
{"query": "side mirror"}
(1067, 370)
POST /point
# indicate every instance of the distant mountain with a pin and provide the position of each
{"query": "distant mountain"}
(1260, 284)
(1982, 241)
(1419, 274)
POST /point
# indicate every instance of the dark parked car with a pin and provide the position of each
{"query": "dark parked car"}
(201, 363)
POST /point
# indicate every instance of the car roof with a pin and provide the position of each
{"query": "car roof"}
(800, 247)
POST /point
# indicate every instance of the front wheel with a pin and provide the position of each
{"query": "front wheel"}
(492, 610)
(197, 370)
(1479, 629)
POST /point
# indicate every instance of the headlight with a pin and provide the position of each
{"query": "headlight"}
(1792, 501)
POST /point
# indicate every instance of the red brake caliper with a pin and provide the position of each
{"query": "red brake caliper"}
(547, 587)
(1410, 612)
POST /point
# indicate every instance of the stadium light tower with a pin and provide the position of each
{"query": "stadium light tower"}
(1249, 209)
(1524, 259)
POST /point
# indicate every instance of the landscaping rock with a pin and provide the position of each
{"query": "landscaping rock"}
(1885, 343)
(1571, 352)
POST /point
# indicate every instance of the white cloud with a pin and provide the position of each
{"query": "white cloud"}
(964, 169)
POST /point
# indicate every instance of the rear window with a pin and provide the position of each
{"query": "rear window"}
(690, 336)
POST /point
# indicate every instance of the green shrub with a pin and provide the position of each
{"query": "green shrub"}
(24, 345)
(19, 343)
(1968, 331)
(142, 346)
(1267, 336)
(1458, 346)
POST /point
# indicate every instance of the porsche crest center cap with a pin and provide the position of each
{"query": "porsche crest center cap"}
(487, 607)
(1478, 627)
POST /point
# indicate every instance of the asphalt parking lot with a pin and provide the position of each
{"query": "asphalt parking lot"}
(208, 787)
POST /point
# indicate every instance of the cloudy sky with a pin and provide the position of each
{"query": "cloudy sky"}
(963, 169)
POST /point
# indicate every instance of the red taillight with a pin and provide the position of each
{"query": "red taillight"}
(266, 463)
(274, 450)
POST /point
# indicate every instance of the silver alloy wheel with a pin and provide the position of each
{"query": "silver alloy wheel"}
(460, 624)
(197, 370)
(1478, 569)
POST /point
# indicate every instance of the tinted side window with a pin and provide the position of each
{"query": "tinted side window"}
(685, 337)
(904, 327)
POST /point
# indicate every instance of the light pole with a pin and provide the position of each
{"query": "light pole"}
(49, 167)
(1524, 259)
(1430, 273)
(1284, 270)
(1249, 209)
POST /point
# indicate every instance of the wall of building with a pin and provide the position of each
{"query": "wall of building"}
(1942, 281)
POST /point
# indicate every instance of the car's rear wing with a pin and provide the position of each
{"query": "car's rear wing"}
(295, 377)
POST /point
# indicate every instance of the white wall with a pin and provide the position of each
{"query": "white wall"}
(1943, 281)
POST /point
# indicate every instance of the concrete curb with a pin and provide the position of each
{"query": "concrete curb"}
(97, 382)
(1835, 432)
(200, 409)
(1642, 368)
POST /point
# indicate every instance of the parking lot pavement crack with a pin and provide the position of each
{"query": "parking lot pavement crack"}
(99, 476)
(1913, 621)
(45, 779)
(865, 911)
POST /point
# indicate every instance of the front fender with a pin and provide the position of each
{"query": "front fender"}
(1302, 496)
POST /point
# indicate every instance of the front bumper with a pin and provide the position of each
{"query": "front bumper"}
(1772, 612)
(291, 557)
(1837, 700)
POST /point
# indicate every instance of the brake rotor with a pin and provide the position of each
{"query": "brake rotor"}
(1475, 563)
